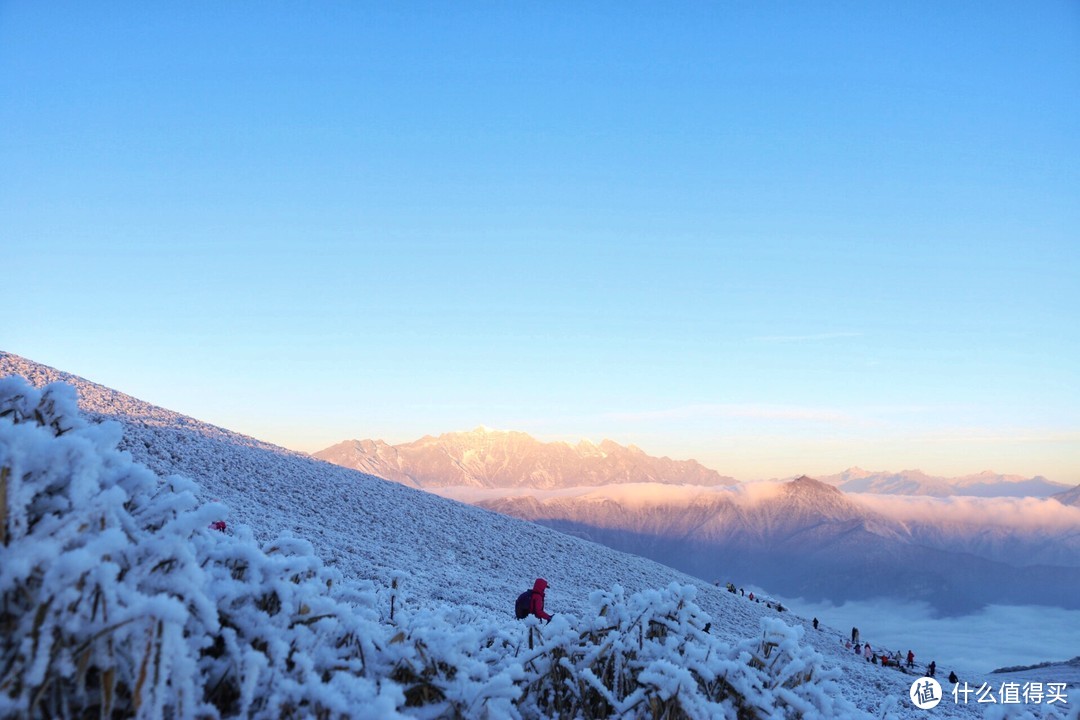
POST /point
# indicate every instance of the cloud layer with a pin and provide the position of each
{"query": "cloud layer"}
(1021, 513)
(994, 637)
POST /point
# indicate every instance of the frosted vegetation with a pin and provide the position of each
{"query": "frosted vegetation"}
(117, 597)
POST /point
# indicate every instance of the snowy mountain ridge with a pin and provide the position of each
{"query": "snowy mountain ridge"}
(916, 482)
(486, 458)
(508, 459)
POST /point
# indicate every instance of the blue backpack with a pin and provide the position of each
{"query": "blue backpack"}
(523, 606)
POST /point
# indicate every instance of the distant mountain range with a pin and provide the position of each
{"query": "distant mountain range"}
(808, 539)
(495, 459)
(955, 543)
(484, 458)
(916, 482)
(1069, 497)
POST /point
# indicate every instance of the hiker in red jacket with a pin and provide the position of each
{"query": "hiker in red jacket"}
(536, 607)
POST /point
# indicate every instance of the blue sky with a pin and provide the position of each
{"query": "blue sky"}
(778, 238)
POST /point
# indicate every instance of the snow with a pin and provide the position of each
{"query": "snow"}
(290, 610)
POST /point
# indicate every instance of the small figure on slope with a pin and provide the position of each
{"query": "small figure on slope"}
(531, 602)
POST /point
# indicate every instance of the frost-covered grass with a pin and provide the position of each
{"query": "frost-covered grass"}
(118, 598)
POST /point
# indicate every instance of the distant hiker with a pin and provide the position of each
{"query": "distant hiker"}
(708, 627)
(873, 658)
(751, 595)
(910, 659)
(858, 649)
(531, 602)
(931, 668)
(779, 607)
(218, 525)
(952, 677)
(815, 623)
(742, 592)
(867, 652)
(896, 658)
(847, 644)
(854, 634)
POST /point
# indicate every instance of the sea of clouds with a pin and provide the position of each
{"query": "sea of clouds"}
(996, 636)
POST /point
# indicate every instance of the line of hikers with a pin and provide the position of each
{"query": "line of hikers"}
(886, 658)
(730, 587)
(531, 602)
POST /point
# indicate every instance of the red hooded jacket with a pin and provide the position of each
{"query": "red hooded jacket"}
(537, 607)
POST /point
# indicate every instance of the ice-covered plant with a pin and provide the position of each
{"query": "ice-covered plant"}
(115, 596)
(649, 655)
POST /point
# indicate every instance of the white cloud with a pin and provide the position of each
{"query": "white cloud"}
(954, 512)
(1028, 513)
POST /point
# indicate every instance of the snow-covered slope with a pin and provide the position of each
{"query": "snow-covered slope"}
(445, 552)
(365, 526)
(494, 458)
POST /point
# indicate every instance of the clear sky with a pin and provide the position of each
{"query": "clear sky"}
(774, 237)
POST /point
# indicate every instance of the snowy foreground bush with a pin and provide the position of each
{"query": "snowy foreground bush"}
(117, 599)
